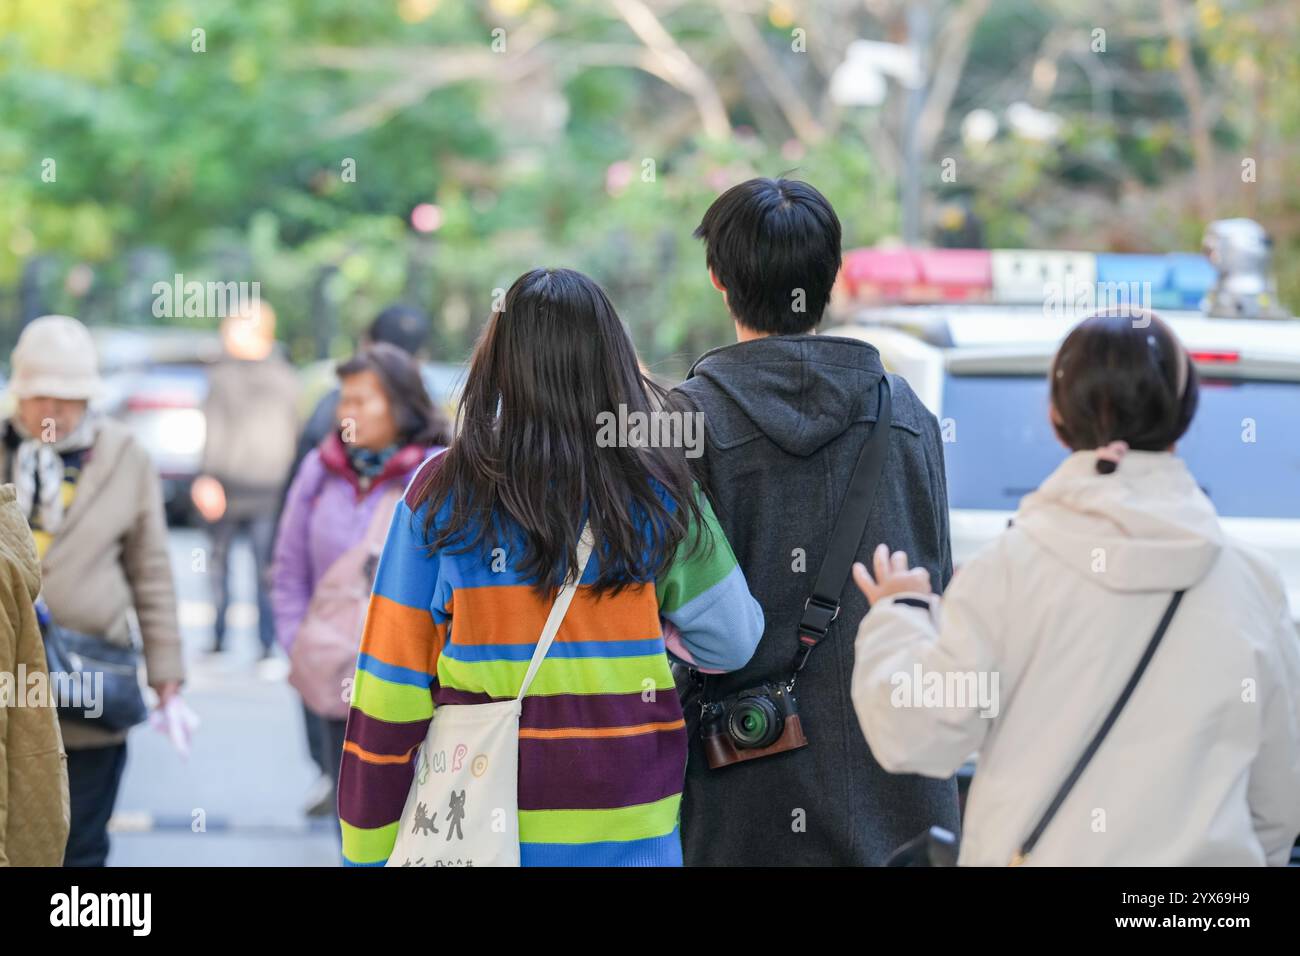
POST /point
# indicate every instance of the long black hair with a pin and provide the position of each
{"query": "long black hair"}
(419, 421)
(550, 361)
(1122, 375)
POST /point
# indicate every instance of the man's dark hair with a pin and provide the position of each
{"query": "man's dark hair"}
(402, 325)
(1122, 376)
(774, 245)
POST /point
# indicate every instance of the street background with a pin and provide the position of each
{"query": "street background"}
(248, 771)
(344, 156)
(348, 155)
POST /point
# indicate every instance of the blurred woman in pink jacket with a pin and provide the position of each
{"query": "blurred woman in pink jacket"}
(387, 426)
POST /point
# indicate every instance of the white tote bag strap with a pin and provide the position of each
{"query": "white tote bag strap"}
(558, 610)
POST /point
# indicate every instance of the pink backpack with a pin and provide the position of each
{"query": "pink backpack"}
(323, 659)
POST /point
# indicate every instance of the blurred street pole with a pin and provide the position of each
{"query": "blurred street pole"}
(418, 288)
(324, 310)
(918, 43)
(860, 80)
(38, 272)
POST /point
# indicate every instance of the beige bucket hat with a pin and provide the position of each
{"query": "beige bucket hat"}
(54, 358)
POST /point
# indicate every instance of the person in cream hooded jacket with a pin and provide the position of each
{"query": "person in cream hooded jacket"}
(1202, 766)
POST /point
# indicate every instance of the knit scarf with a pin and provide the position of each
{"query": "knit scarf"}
(367, 463)
(38, 471)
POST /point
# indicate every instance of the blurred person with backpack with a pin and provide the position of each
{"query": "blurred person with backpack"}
(94, 502)
(252, 429)
(406, 327)
(336, 515)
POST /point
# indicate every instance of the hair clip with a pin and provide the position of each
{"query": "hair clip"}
(1109, 456)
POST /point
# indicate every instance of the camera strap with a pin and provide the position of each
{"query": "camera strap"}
(823, 606)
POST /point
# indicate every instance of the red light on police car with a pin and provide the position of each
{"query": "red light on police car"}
(1211, 356)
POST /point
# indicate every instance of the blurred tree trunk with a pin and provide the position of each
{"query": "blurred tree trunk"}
(1173, 14)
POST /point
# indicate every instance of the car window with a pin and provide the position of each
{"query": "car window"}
(1243, 446)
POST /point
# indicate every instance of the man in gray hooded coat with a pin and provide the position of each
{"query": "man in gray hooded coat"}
(787, 413)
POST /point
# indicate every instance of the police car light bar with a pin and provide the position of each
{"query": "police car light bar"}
(1025, 277)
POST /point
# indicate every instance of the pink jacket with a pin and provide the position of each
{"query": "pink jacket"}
(326, 512)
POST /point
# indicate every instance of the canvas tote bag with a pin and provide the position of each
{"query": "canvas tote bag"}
(463, 805)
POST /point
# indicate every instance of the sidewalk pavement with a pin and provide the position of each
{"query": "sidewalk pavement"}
(237, 800)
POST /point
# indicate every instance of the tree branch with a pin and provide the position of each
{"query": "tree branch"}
(675, 66)
(1189, 81)
(953, 48)
(773, 77)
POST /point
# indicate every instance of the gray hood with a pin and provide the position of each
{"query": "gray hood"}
(801, 391)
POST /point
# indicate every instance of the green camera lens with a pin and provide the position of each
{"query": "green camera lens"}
(754, 722)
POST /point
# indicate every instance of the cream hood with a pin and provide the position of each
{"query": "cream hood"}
(1148, 526)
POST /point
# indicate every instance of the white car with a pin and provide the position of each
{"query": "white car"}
(155, 381)
(982, 370)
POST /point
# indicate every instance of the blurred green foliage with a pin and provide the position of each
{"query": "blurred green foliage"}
(230, 163)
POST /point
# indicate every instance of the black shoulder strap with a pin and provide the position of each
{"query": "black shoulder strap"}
(1103, 730)
(823, 606)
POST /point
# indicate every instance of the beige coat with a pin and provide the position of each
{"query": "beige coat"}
(1202, 768)
(110, 559)
(33, 766)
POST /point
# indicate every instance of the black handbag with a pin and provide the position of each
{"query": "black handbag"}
(94, 680)
(938, 847)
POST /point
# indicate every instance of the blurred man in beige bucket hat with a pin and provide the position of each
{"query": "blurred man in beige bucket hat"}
(94, 503)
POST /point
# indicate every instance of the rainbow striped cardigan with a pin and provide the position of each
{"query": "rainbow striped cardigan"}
(602, 750)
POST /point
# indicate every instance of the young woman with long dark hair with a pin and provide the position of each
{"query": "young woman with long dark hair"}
(485, 535)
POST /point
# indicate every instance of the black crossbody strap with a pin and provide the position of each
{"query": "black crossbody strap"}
(1102, 731)
(823, 606)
